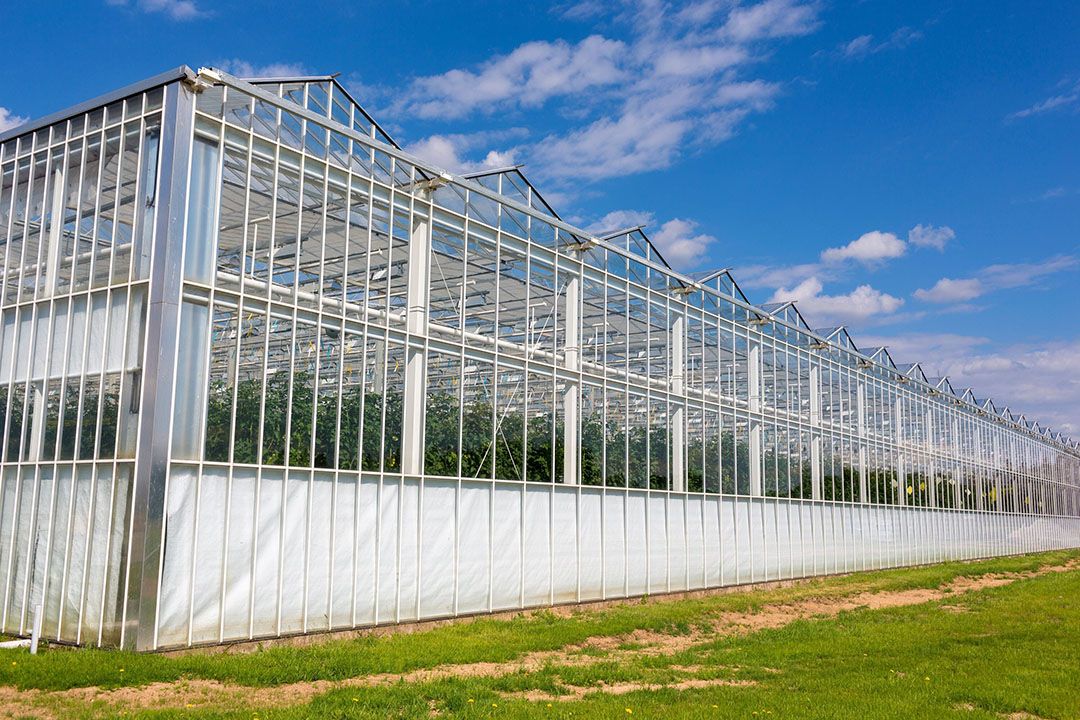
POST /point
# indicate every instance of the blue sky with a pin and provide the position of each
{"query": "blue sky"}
(909, 169)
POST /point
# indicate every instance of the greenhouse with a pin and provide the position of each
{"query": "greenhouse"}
(262, 373)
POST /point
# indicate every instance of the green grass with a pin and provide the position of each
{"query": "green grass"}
(1014, 648)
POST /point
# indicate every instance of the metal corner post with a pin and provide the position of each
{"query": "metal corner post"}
(155, 423)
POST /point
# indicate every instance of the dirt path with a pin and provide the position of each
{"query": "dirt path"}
(211, 693)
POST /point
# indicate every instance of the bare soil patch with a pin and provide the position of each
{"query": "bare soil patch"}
(573, 692)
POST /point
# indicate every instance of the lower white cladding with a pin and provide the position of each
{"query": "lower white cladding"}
(253, 553)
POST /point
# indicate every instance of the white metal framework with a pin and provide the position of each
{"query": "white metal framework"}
(263, 373)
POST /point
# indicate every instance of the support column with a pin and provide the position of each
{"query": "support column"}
(960, 463)
(416, 322)
(864, 481)
(678, 418)
(572, 394)
(815, 429)
(159, 372)
(931, 446)
(754, 391)
(901, 480)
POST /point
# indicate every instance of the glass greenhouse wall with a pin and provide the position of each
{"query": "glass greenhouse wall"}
(262, 373)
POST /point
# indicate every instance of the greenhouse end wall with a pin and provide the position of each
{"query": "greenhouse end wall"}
(262, 374)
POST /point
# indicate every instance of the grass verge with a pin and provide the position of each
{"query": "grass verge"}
(988, 652)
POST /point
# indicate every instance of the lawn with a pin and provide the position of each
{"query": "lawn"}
(992, 639)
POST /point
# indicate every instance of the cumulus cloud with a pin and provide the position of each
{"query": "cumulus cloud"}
(670, 81)
(247, 69)
(861, 304)
(451, 151)
(947, 290)
(870, 248)
(770, 19)
(529, 76)
(619, 220)
(678, 240)
(681, 244)
(930, 236)
(174, 9)
(9, 120)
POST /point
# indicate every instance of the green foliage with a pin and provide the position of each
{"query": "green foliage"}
(378, 445)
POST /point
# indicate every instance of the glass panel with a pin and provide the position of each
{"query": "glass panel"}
(202, 212)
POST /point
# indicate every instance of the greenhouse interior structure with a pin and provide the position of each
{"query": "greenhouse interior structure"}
(262, 373)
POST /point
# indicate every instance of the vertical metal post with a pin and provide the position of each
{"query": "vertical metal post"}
(572, 394)
(815, 428)
(931, 445)
(138, 631)
(864, 481)
(754, 393)
(412, 429)
(35, 632)
(678, 419)
(901, 481)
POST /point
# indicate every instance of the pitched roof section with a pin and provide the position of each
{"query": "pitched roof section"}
(512, 183)
(881, 355)
(634, 240)
(323, 94)
(838, 336)
(720, 281)
(943, 385)
(913, 371)
(788, 312)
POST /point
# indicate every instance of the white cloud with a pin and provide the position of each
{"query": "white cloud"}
(1066, 99)
(861, 304)
(771, 19)
(640, 139)
(1041, 380)
(1012, 275)
(930, 236)
(584, 10)
(450, 151)
(529, 76)
(698, 60)
(669, 81)
(619, 220)
(175, 9)
(865, 45)
(858, 46)
(678, 239)
(947, 290)
(995, 277)
(775, 276)
(9, 120)
(870, 248)
(246, 69)
(681, 244)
